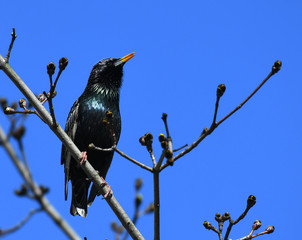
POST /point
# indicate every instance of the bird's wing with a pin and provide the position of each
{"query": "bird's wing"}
(70, 129)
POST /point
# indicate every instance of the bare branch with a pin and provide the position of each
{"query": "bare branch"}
(45, 204)
(276, 67)
(20, 224)
(114, 148)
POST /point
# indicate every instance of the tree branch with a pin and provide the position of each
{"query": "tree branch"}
(45, 204)
(72, 148)
(20, 224)
(220, 90)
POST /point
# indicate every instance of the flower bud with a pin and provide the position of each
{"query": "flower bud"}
(63, 63)
(257, 224)
(9, 110)
(114, 226)
(148, 137)
(138, 184)
(22, 192)
(54, 94)
(207, 225)
(22, 103)
(3, 103)
(51, 68)
(169, 154)
(270, 229)
(15, 105)
(226, 216)
(276, 67)
(205, 130)
(19, 132)
(41, 97)
(138, 200)
(218, 217)
(220, 90)
(44, 189)
(164, 116)
(150, 208)
(142, 141)
(164, 144)
(251, 201)
(162, 137)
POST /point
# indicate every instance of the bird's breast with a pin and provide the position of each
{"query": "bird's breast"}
(94, 104)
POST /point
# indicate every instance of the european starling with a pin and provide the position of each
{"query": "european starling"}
(85, 125)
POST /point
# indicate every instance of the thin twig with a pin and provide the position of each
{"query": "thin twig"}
(20, 224)
(51, 109)
(206, 132)
(162, 156)
(24, 156)
(169, 139)
(232, 222)
(132, 159)
(248, 98)
(153, 158)
(14, 36)
(156, 205)
(216, 109)
(177, 149)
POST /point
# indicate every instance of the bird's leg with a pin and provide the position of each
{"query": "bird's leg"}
(110, 191)
(84, 158)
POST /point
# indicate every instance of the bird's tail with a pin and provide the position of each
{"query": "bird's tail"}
(79, 197)
(93, 193)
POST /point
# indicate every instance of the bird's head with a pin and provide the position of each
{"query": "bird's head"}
(108, 72)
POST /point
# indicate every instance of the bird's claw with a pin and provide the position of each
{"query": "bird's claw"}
(84, 158)
(110, 191)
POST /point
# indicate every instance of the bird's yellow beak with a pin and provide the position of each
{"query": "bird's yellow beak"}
(127, 57)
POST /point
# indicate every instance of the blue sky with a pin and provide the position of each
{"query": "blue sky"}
(183, 51)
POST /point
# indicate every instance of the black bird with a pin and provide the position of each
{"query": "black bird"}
(85, 125)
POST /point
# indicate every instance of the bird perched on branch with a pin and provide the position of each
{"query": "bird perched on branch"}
(85, 125)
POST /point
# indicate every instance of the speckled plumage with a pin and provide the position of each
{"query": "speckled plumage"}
(85, 125)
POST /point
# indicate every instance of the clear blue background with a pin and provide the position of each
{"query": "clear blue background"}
(184, 49)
